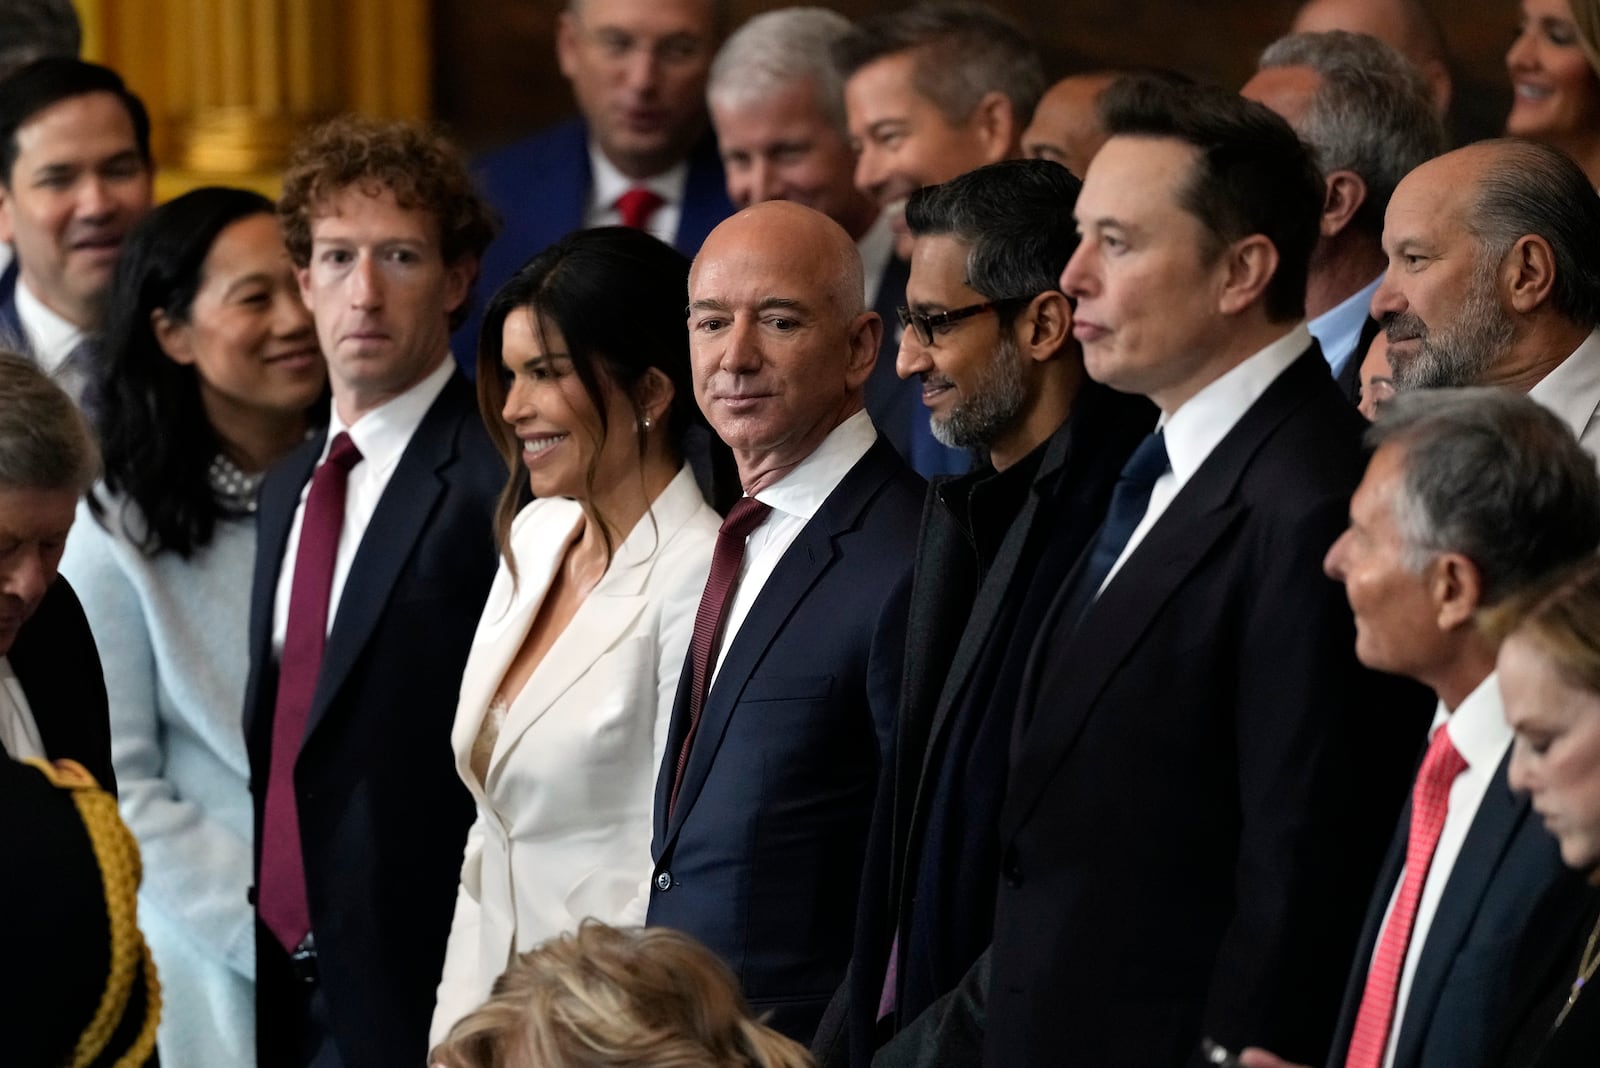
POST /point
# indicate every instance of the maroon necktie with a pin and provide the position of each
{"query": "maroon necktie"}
(281, 896)
(637, 205)
(1430, 802)
(746, 514)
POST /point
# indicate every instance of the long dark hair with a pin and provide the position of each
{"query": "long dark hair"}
(617, 296)
(157, 440)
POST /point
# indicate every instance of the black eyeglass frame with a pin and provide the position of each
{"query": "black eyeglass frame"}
(924, 325)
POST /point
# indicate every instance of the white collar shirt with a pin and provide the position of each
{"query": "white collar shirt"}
(19, 732)
(1572, 392)
(381, 435)
(1201, 422)
(608, 184)
(1478, 731)
(52, 339)
(875, 247)
(795, 499)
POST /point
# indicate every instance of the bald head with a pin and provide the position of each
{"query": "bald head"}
(779, 335)
(1066, 127)
(1404, 25)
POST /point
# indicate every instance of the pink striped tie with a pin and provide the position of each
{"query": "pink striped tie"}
(746, 514)
(1430, 801)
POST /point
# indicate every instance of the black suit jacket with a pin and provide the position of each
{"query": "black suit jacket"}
(761, 859)
(954, 607)
(1474, 990)
(1204, 778)
(55, 660)
(383, 816)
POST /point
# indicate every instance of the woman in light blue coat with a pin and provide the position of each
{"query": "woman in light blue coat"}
(209, 371)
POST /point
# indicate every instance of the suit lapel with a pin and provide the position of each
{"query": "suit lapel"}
(1500, 815)
(797, 572)
(1201, 515)
(398, 521)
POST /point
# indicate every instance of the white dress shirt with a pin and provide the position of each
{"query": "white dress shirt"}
(1200, 424)
(794, 498)
(19, 733)
(608, 184)
(382, 436)
(1338, 330)
(875, 247)
(52, 340)
(1478, 731)
(1572, 392)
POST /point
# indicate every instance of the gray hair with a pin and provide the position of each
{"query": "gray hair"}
(45, 443)
(963, 50)
(779, 49)
(1372, 114)
(33, 29)
(1531, 188)
(1490, 474)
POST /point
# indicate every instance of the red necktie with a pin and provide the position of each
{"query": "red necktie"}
(1430, 801)
(281, 896)
(746, 514)
(637, 205)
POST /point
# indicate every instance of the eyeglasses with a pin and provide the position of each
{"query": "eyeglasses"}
(925, 325)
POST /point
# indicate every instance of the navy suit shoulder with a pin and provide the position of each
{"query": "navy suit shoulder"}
(57, 663)
(11, 333)
(1217, 669)
(383, 816)
(761, 858)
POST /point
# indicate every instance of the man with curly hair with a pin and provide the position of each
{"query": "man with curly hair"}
(375, 553)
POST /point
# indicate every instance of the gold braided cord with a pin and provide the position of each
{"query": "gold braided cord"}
(117, 855)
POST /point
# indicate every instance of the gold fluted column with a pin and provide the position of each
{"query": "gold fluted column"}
(230, 82)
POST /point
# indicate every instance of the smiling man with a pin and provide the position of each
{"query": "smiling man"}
(75, 175)
(989, 339)
(785, 713)
(374, 556)
(1492, 280)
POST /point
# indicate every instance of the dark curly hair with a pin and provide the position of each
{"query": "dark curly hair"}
(422, 168)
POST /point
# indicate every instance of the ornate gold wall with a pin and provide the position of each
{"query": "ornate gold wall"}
(229, 82)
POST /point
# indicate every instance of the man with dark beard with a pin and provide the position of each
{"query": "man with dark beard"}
(1492, 279)
(989, 334)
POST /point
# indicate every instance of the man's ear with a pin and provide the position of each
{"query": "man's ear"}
(866, 334)
(1044, 328)
(1249, 265)
(995, 124)
(8, 227)
(1456, 586)
(567, 31)
(1343, 194)
(1529, 273)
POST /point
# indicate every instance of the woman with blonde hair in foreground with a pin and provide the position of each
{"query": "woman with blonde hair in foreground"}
(606, 997)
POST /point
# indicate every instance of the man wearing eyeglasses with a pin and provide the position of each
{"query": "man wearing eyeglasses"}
(640, 153)
(988, 337)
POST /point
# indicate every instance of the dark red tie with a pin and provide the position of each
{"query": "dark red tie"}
(637, 205)
(746, 514)
(281, 896)
(1430, 802)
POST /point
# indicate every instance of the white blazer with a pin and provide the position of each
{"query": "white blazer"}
(564, 814)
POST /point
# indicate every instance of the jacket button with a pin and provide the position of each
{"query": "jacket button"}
(1010, 869)
(664, 881)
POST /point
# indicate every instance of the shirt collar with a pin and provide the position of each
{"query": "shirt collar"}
(383, 433)
(875, 247)
(802, 491)
(52, 337)
(1338, 330)
(1478, 727)
(610, 183)
(1572, 388)
(1200, 423)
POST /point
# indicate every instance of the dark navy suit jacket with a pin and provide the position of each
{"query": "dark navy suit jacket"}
(540, 188)
(761, 859)
(383, 816)
(1467, 998)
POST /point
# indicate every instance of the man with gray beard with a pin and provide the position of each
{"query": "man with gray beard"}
(1492, 279)
(989, 334)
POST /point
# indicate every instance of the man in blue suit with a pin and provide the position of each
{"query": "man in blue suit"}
(785, 711)
(1426, 549)
(374, 555)
(640, 154)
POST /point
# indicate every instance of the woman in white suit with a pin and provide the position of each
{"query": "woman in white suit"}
(583, 377)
